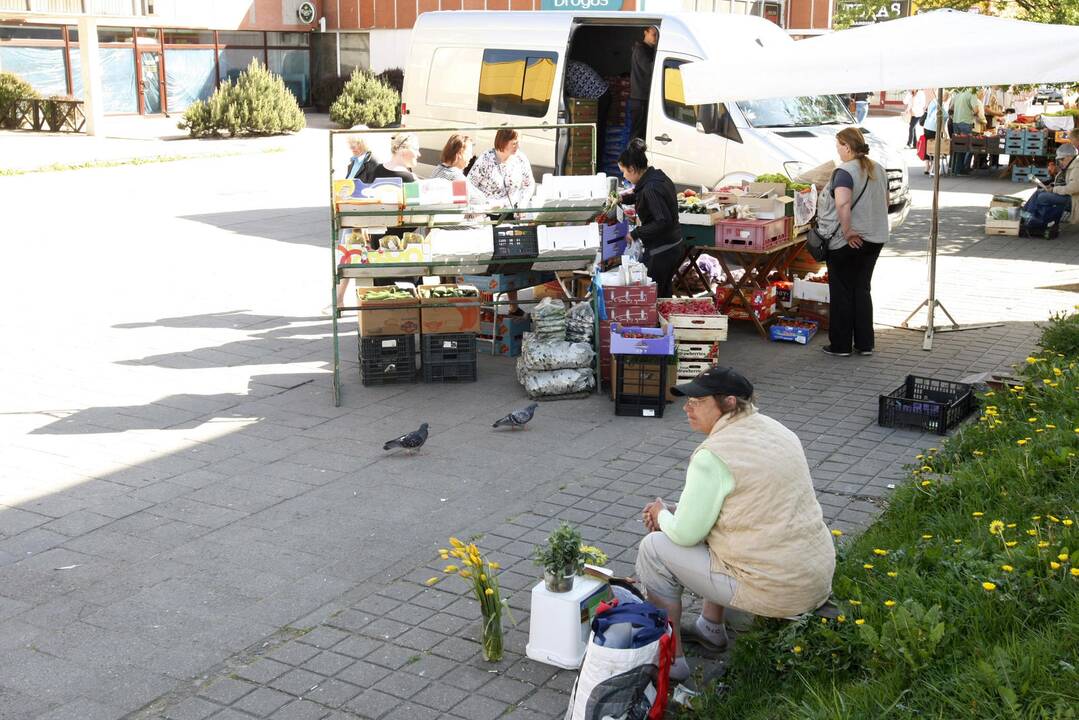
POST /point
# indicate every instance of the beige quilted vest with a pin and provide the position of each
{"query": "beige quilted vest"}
(770, 534)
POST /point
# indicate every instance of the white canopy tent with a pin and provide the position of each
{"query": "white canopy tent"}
(940, 49)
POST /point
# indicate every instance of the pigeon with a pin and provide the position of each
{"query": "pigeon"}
(518, 418)
(412, 441)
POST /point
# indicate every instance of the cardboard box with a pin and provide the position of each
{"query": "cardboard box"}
(806, 290)
(1009, 227)
(511, 326)
(449, 315)
(784, 330)
(568, 237)
(655, 341)
(507, 345)
(772, 189)
(504, 282)
(641, 315)
(708, 218)
(629, 294)
(783, 292)
(609, 371)
(387, 317)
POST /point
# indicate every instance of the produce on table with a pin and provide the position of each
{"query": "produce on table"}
(386, 293)
(773, 178)
(796, 323)
(686, 306)
(444, 291)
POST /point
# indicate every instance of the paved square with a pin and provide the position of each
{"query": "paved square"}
(190, 529)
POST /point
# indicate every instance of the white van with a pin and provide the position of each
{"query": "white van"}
(494, 68)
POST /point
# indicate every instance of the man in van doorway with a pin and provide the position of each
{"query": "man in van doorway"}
(640, 81)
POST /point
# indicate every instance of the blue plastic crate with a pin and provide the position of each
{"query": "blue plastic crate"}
(1015, 136)
(788, 333)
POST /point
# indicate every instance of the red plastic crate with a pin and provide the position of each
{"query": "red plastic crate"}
(752, 235)
(630, 294)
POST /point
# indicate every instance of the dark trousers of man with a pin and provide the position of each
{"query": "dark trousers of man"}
(661, 269)
(850, 271)
(638, 115)
(1045, 209)
(912, 134)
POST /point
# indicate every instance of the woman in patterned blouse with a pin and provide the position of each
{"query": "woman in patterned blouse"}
(503, 174)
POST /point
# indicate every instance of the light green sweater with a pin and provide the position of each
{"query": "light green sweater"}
(708, 482)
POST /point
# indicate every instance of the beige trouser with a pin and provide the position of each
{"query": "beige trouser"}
(665, 568)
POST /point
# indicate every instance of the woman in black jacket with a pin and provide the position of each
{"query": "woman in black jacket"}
(656, 202)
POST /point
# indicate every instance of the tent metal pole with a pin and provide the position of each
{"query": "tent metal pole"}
(927, 343)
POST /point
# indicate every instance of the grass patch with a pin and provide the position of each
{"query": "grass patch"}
(962, 600)
(153, 160)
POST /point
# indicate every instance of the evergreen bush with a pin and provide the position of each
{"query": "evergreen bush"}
(258, 103)
(12, 88)
(365, 100)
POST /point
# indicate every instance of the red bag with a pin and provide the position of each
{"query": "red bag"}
(921, 147)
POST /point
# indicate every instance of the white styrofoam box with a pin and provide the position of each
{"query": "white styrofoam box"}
(568, 237)
(477, 240)
(805, 290)
(574, 187)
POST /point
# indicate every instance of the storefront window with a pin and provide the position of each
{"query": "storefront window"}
(240, 37)
(75, 62)
(294, 67)
(189, 37)
(147, 36)
(189, 76)
(114, 35)
(355, 52)
(42, 67)
(234, 61)
(288, 39)
(10, 32)
(118, 80)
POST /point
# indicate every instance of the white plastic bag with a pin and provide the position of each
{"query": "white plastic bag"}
(538, 353)
(547, 383)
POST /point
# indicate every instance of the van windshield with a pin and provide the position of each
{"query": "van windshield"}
(803, 111)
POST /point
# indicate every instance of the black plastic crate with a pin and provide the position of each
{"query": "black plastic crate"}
(641, 385)
(927, 404)
(448, 348)
(388, 360)
(449, 372)
(514, 241)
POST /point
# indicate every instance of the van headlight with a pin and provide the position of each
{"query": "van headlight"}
(794, 168)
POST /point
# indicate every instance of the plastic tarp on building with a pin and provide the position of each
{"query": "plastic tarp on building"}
(937, 49)
(189, 76)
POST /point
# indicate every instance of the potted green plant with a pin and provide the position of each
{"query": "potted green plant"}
(560, 558)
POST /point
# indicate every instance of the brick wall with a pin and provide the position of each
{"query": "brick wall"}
(808, 14)
(401, 14)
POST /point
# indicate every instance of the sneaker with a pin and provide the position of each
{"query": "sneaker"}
(692, 633)
(827, 349)
(864, 353)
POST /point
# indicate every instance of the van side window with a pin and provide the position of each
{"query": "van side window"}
(517, 82)
(674, 103)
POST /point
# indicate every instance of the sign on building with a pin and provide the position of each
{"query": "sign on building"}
(875, 13)
(578, 5)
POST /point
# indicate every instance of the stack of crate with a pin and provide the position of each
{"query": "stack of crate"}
(501, 333)
(633, 305)
(642, 357)
(696, 336)
(387, 336)
(448, 328)
(580, 151)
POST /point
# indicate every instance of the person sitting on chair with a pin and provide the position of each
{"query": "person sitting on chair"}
(1044, 210)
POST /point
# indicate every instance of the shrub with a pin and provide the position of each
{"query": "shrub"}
(1061, 335)
(394, 77)
(258, 103)
(55, 112)
(12, 88)
(365, 100)
(326, 90)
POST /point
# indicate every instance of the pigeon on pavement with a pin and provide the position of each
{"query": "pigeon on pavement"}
(518, 418)
(412, 441)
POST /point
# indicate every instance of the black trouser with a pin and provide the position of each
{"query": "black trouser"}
(661, 269)
(638, 112)
(912, 134)
(850, 271)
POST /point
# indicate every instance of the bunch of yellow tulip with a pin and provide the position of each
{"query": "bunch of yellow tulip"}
(483, 574)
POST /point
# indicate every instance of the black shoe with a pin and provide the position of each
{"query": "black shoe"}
(1052, 232)
(827, 349)
(864, 353)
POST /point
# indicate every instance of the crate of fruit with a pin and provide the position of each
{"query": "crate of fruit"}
(626, 340)
(796, 330)
(697, 350)
(694, 318)
(751, 235)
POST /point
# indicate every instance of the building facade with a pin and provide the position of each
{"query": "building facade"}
(159, 56)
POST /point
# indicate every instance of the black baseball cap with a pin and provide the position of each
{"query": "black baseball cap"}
(716, 381)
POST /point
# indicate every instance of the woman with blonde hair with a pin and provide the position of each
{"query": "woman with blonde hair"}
(404, 154)
(853, 215)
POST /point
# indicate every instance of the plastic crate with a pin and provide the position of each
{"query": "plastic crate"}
(927, 404)
(752, 235)
(387, 360)
(512, 241)
(450, 372)
(641, 386)
(448, 348)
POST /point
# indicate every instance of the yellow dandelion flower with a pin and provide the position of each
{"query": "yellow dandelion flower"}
(926, 468)
(859, 621)
(988, 586)
(1058, 372)
(1031, 360)
(450, 569)
(824, 621)
(893, 573)
(889, 603)
(1062, 557)
(978, 453)
(1010, 525)
(1054, 565)
(1039, 430)
(1011, 543)
(958, 541)
(1043, 544)
(932, 450)
(977, 513)
(431, 581)
(996, 527)
(1036, 518)
(841, 619)
(879, 551)
(1007, 568)
(1021, 442)
(855, 603)
(1032, 532)
(868, 566)
(919, 457)
(489, 591)
(1053, 519)
(1047, 381)
(837, 533)
(1067, 522)
(1074, 572)
(797, 649)
(1051, 426)
(927, 537)
(926, 483)
(1034, 419)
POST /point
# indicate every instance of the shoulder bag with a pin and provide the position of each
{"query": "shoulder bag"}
(816, 242)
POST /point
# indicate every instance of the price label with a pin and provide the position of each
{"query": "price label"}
(389, 343)
(648, 413)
